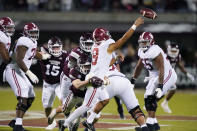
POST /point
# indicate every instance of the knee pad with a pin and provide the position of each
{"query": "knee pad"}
(150, 103)
(22, 104)
(29, 102)
(136, 112)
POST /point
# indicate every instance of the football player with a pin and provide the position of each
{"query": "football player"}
(51, 70)
(18, 70)
(7, 29)
(162, 75)
(74, 95)
(124, 90)
(174, 56)
(101, 53)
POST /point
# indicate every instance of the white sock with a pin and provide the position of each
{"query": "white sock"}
(91, 117)
(78, 112)
(150, 120)
(165, 101)
(155, 120)
(18, 121)
(144, 125)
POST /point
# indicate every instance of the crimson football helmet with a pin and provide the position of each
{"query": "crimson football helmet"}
(84, 64)
(146, 40)
(55, 46)
(7, 26)
(173, 50)
(86, 42)
(31, 30)
(100, 34)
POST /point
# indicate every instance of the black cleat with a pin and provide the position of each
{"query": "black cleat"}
(157, 127)
(75, 126)
(12, 123)
(137, 128)
(19, 128)
(145, 128)
(88, 125)
(61, 125)
(151, 127)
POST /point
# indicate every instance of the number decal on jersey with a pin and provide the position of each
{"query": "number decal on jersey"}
(95, 56)
(33, 50)
(147, 64)
(52, 70)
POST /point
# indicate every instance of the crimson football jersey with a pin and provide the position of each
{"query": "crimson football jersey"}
(52, 68)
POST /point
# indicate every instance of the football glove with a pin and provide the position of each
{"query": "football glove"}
(32, 76)
(96, 82)
(158, 91)
(190, 76)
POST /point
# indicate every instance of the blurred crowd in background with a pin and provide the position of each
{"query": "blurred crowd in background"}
(98, 5)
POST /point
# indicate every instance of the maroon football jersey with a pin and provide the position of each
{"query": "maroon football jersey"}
(52, 68)
(74, 55)
(174, 61)
(73, 75)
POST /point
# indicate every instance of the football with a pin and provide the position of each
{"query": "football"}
(148, 13)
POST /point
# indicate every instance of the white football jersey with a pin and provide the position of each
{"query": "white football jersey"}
(101, 58)
(6, 40)
(31, 52)
(113, 71)
(147, 59)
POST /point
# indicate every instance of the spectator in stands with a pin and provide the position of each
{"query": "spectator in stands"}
(66, 5)
(130, 4)
(1, 5)
(148, 3)
(43, 5)
(160, 5)
(32, 5)
(192, 5)
(21, 5)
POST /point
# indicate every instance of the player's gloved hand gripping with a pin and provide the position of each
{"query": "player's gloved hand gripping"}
(158, 91)
(32, 76)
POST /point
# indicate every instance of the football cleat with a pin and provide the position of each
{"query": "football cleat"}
(88, 125)
(51, 126)
(12, 123)
(165, 107)
(151, 127)
(19, 128)
(157, 127)
(61, 125)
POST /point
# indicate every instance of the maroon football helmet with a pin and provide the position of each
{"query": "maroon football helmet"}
(31, 30)
(86, 42)
(100, 34)
(84, 64)
(146, 40)
(7, 26)
(55, 46)
(173, 50)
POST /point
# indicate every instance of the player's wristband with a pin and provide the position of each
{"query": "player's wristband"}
(160, 86)
(133, 80)
(133, 27)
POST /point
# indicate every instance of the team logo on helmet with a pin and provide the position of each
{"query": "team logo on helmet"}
(146, 40)
(86, 42)
(7, 26)
(55, 46)
(31, 30)
(100, 34)
(84, 64)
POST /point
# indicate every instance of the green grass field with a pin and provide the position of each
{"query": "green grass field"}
(183, 104)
